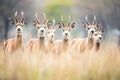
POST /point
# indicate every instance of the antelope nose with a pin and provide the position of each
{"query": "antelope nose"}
(18, 29)
(92, 32)
(52, 36)
(66, 34)
(42, 31)
(100, 38)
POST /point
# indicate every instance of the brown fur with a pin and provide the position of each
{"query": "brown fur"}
(61, 46)
(36, 45)
(12, 45)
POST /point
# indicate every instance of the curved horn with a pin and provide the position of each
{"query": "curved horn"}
(44, 19)
(16, 20)
(94, 22)
(53, 23)
(69, 21)
(87, 21)
(22, 19)
(37, 20)
(62, 21)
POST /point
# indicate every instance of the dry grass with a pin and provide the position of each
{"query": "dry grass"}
(103, 65)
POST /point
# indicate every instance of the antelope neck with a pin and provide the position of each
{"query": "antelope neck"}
(18, 38)
(65, 41)
(97, 46)
(90, 40)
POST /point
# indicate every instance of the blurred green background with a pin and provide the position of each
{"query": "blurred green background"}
(106, 11)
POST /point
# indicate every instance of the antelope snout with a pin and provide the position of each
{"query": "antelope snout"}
(42, 31)
(100, 38)
(66, 34)
(92, 32)
(18, 29)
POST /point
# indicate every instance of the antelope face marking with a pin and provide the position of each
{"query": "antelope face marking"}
(91, 29)
(18, 23)
(66, 32)
(66, 28)
(19, 28)
(98, 36)
(41, 29)
(51, 34)
(41, 26)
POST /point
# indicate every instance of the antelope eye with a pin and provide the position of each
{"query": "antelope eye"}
(44, 27)
(95, 34)
(38, 27)
(88, 28)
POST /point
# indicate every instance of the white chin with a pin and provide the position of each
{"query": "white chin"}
(19, 32)
(65, 37)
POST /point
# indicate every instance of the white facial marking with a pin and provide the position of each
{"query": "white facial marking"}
(19, 29)
(51, 34)
(98, 36)
(66, 34)
(41, 30)
(91, 28)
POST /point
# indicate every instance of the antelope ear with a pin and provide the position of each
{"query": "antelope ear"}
(48, 23)
(26, 21)
(59, 25)
(84, 25)
(34, 23)
(12, 20)
(99, 24)
(103, 30)
(73, 25)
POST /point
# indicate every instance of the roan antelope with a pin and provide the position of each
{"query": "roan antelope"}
(98, 35)
(82, 44)
(63, 45)
(50, 37)
(36, 45)
(12, 45)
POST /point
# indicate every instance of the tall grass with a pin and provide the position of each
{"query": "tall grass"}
(102, 65)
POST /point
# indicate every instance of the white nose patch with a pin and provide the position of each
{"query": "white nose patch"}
(19, 29)
(66, 34)
(41, 30)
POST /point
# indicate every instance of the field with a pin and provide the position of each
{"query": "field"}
(102, 65)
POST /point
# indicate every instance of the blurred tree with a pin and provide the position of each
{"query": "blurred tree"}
(56, 8)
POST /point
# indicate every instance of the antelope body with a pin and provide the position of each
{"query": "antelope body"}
(11, 45)
(36, 45)
(62, 46)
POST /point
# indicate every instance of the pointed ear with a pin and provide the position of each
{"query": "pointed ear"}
(84, 25)
(12, 20)
(26, 21)
(99, 24)
(103, 30)
(48, 23)
(34, 23)
(73, 25)
(59, 25)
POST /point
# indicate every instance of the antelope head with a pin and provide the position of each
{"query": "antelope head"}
(90, 27)
(18, 23)
(66, 28)
(41, 26)
(51, 31)
(98, 35)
